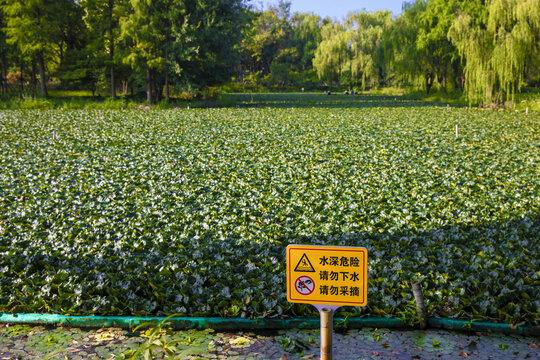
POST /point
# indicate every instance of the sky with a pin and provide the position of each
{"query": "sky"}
(336, 9)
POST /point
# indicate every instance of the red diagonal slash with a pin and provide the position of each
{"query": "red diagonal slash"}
(303, 283)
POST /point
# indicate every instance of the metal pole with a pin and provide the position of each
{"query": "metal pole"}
(327, 327)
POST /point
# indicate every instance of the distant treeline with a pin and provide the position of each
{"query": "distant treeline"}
(488, 48)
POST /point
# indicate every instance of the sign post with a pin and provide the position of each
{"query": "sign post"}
(327, 277)
(327, 328)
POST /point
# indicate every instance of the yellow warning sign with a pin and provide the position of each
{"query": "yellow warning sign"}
(327, 275)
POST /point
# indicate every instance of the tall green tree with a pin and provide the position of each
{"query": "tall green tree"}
(72, 32)
(280, 47)
(4, 54)
(305, 38)
(35, 27)
(400, 40)
(333, 53)
(367, 60)
(441, 55)
(422, 53)
(206, 46)
(102, 20)
(196, 41)
(85, 65)
(145, 24)
(70, 47)
(267, 38)
(496, 43)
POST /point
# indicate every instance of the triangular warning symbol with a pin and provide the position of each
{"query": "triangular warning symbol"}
(304, 265)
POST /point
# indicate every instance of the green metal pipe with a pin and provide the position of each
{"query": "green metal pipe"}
(483, 326)
(257, 324)
(195, 322)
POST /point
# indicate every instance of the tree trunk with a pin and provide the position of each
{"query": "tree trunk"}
(113, 82)
(444, 84)
(444, 75)
(456, 75)
(157, 90)
(22, 79)
(363, 81)
(34, 80)
(148, 85)
(3, 75)
(339, 69)
(498, 99)
(167, 75)
(429, 82)
(42, 79)
(111, 50)
(167, 41)
(61, 49)
(350, 77)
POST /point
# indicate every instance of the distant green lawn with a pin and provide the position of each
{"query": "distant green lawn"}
(529, 99)
(70, 93)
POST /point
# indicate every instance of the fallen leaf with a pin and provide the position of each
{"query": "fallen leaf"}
(308, 356)
(376, 353)
(463, 353)
(239, 341)
(385, 345)
(284, 357)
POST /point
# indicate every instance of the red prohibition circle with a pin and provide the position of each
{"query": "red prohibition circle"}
(304, 285)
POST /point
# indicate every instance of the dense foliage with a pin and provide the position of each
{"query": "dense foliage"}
(190, 211)
(145, 45)
(489, 49)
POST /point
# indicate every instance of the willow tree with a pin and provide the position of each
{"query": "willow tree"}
(306, 37)
(400, 45)
(333, 53)
(496, 47)
(367, 29)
